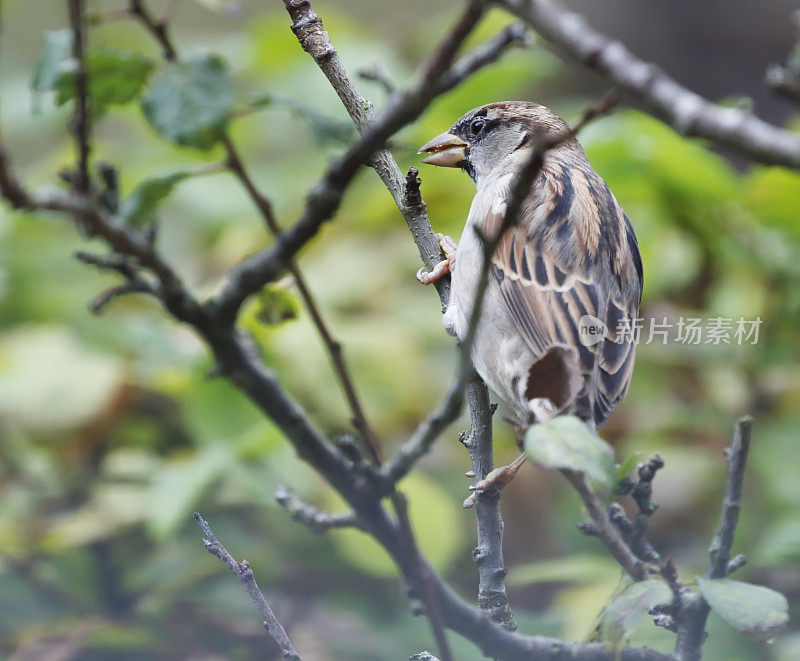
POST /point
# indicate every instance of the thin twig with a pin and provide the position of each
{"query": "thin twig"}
(604, 529)
(99, 302)
(158, 28)
(424, 577)
(244, 574)
(693, 613)
(635, 533)
(235, 165)
(482, 56)
(377, 74)
(315, 519)
(80, 115)
(684, 110)
(735, 461)
(333, 346)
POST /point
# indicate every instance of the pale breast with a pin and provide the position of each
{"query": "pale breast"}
(499, 354)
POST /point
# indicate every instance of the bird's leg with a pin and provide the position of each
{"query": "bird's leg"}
(498, 478)
(449, 248)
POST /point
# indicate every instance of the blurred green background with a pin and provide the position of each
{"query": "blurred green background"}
(111, 434)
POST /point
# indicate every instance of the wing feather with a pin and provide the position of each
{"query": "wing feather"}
(575, 255)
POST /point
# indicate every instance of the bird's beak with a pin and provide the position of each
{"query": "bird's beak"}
(447, 150)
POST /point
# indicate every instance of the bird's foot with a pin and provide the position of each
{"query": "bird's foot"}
(499, 478)
(449, 248)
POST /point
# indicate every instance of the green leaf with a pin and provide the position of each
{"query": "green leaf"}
(115, 78)
(190, 102)
(140, 206)
(276, 305)
(623, 470)
(55, 53)
(752, 609)
(567, 443)
(627, 610)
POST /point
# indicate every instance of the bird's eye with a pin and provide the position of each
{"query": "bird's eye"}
(477, 125)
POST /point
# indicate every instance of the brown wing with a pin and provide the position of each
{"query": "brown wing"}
(576, 256)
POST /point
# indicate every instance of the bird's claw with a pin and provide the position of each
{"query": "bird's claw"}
(498, 478)
(449, 248)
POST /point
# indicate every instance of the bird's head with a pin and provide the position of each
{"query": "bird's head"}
(492, 136)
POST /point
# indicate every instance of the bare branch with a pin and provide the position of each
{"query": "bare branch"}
(244, 574)
(11, 188)
(159, 29)
(99, 302)
(694, 610)
(316, 520)
(488, 554)
(80, 116)
(635, 533)
(377, 74)
(604, 529)
(426, 433)
(483, 55)
(687, 112)
(735, 460)
(334, 348)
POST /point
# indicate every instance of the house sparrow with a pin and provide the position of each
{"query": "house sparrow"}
(564, 281)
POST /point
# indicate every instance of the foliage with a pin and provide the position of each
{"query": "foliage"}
(190, 103)
(767, 611)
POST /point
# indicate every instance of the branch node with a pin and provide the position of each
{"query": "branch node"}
(736, 563)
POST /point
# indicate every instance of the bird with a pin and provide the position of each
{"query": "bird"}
(565, 281)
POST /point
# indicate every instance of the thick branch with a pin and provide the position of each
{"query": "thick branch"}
(488, 554)
(244, 574)
(687, 112)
